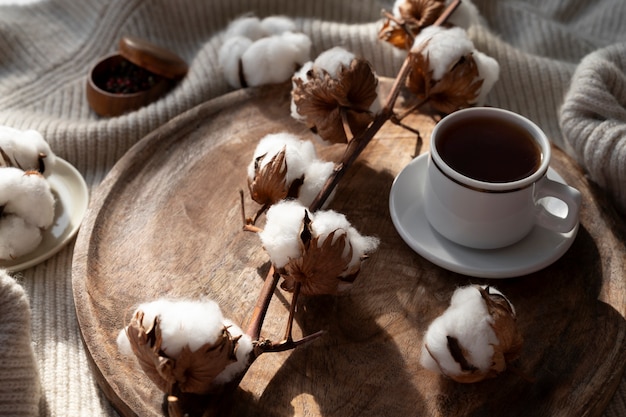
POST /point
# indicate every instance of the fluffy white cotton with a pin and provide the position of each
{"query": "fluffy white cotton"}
(468, 320)
(275, 25)
(325, 222)
(489, 71)
(229, 58)
(248, 27)
(191, 323)
(315, 176)
(262, 52)
(298, 154)
(445, 47)
(333, 59)
(301, 160)
(274, 59)
(281, 235)
(301, 74)
(244, 347)
(17, 237)
(23, 149)
(466, 15)
(27, 196)
(184, 323)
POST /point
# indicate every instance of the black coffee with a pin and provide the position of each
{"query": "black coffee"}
(489, 150)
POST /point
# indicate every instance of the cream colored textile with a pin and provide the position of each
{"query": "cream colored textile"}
(48, 46)
(20, 387)
(593, 119)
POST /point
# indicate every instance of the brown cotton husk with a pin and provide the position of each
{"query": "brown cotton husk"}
(337, 109)
(414, 16)
(191, 372)
(269, 184)
(505, 327)
(321, 267)
(458, 88)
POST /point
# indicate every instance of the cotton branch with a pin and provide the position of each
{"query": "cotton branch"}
(352, 152)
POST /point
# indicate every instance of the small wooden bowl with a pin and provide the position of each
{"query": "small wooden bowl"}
(140, 74)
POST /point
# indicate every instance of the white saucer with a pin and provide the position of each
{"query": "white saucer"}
(72, 198)
(536, 251)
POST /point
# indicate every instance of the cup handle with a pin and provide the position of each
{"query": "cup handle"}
(568, 195)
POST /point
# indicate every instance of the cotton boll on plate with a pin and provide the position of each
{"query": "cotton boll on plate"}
(26, 150)
(27, 208)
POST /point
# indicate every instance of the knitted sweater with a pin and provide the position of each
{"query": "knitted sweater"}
(48, 47)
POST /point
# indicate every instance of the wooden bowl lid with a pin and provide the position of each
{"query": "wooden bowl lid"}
(152, 57)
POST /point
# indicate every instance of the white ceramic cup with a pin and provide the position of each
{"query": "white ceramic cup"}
(487, 215)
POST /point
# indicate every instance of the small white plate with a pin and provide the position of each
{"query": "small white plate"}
(72, 198)
(536, 251)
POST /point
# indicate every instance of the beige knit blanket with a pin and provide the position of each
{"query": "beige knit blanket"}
(48, 46)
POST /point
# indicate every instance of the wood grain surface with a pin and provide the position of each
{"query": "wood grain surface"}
(166, 222)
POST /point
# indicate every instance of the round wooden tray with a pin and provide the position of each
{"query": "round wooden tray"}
(166, 221)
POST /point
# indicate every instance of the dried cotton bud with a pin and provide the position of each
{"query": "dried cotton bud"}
(336, 95)
(284, 166)
(26, 208)
(257, 52)
(320, 250)
(474, 338)
(185, 344)
(26, 150)
(410, 17)
(448, 72)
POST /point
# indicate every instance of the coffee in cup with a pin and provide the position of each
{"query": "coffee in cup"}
(487, 180)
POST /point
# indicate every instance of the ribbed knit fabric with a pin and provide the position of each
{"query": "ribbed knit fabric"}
(48, 47)
(593, 119)
(19, 379)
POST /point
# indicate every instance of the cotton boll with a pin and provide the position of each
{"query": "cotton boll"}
(248, 27)
(473, 339)
(333, 59)
(17, 238)
(326, 222)
(489, 71)
(466, 15)
(470, 324)
(280, 236)
(298, 154)
(244, 348)
(184, 323)
(26, 150)
(187, 342)
(315, 176)
(28, 196)
(275, 25)
(274, 59)
(444, 47)
(229, 57)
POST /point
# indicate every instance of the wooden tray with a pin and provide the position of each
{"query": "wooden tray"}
(166, 222)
